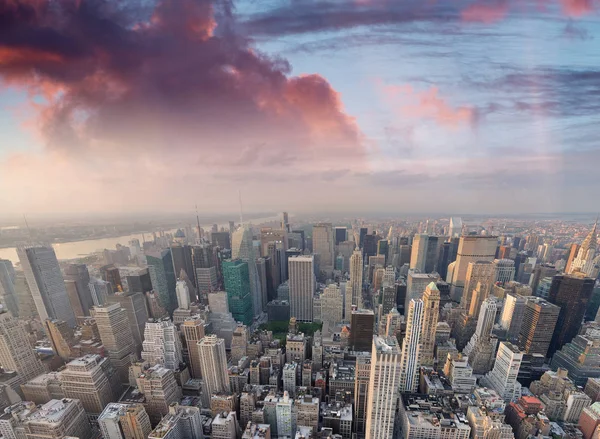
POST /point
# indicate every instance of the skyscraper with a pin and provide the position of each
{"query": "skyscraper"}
(116, 336)
(15, 351)
(213, 363)
(410, 361)
(8, 295)
(242, 248)
(237, 286)
(355, 285)
(160, 388)
(162, 344)
(479, 272)
(78, 273)
(193, 331)
(482, 345)
(46, 283)
(512, 315)
(341, 234)
(584, 261)
(503, 377)
(539, 322)
(182, 260)
(162, 274)
(134, 303)
(362, 322)
(431, 311)
(383, 388)
(573, 251)
(323, 245)
(572, 294)
(302, 287)
(124, 421)
(419, 252)
(470, 249)
(92, 380)
(361, 390)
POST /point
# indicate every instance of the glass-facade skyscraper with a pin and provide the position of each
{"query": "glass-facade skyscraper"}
(237, 286)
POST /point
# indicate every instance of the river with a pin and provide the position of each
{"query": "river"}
(77, 249)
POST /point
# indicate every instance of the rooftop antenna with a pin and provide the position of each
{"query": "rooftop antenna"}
(27, 225)
(198, 221)
(241, 210)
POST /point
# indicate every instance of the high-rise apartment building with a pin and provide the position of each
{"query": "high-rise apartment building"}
(537, 327)
(239, 293)
(116, 336)
(503, 377)
(16, 353)
(46, 283)
(57, 419)
(162, 344)
(213, 363)
(471, 248)
(431, 311)
(410, 361)
(302, 287)
(383, 388)
(572, 294)
(160, 388)
(193, 331)
(92, 380)
(124, 421)
(323, 245)
(182, 422)
(242, 248)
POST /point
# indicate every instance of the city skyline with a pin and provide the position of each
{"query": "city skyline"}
(300, 99)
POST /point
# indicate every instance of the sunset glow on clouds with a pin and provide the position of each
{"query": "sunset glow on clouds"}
(170, 103)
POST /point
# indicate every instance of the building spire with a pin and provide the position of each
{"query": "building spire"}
(591, 240)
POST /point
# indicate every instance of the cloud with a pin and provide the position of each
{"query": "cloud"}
(175, 79)
(428, 105)
(330, 15)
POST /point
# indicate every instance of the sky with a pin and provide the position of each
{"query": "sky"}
(301, 105)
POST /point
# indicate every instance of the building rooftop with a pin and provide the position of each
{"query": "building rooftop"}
(52, 412)
(427, 411)
(337, 410)
(386, 344)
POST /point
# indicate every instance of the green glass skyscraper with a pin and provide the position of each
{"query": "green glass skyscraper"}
(237, 286)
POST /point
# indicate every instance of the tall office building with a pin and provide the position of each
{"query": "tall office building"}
(182, 260)
(242, 248)
(162, 344)
(539, 322)
(124, 421)
(431, 311)
(584, 261)
(61, 337)
(362, 323)
(213, 363)
(503, 377)
(182, 422)
(355, 285)
(361, 391)
(302, 287)
(504, 270)
(470, 249)
(513, 312)
(92, 380)
(193, 331)
(134, 303)
(478, 273)
(482, 345)
(341, 234)
(419, 252)
(79, 275)
(8, 294)
(323, 245)
(15, 351)
(239, 293)
(46, 283)
(410, 361)
(116, 336)
(572, 294)
(162, 275)
(573, 251)
(111, 274)
(160, 388)
(383, 388)
(332, 305)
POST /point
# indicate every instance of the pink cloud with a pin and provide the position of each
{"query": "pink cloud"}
(486, 13)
